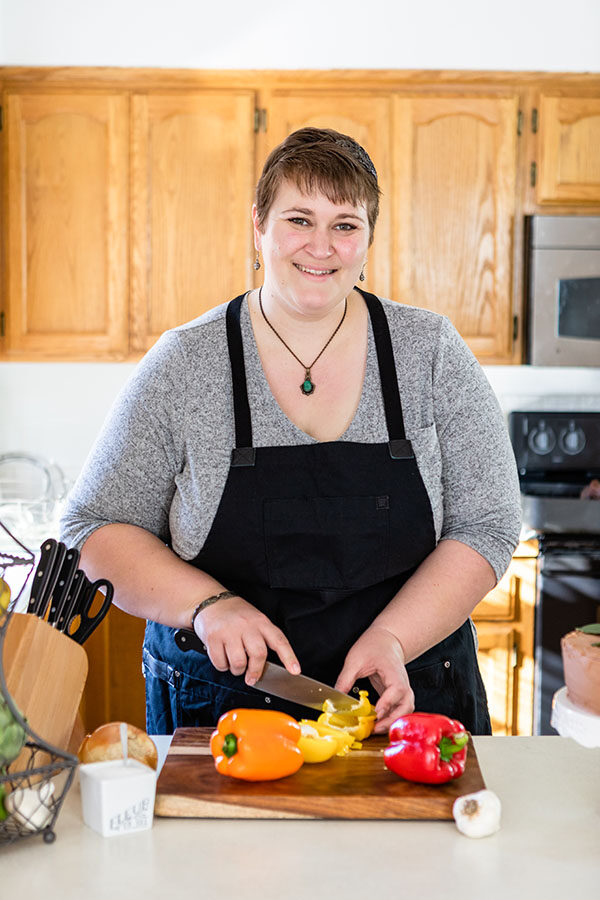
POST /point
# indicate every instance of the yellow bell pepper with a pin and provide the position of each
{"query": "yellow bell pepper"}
(358, 721)
(316, 747)
(343, 740)
(363, 707)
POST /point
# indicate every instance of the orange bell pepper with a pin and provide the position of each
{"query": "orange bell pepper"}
(256, 745)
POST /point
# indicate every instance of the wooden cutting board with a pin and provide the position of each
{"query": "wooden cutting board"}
(356, 786)
(45, 674)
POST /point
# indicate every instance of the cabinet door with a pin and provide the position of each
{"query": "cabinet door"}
(192, 191)
(367, 120)
(498, 656)
(454, 196)
(569, 155)
(115, 687)
(67, 197)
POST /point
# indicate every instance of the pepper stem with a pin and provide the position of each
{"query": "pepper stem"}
(451, 745)
(230, 745)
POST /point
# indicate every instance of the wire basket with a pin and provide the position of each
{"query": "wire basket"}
(32, 795)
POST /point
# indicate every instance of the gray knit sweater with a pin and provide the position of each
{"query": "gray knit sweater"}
(162, 457)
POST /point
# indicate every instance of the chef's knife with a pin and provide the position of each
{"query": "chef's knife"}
(60, 593)
(278, 681)
(45, 576)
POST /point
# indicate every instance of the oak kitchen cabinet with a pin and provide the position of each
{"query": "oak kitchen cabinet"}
(505, 628)
(65, 223)
(126, 192)
(568, 149)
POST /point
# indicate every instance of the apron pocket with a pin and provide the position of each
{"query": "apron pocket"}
(434, 689)
(326, 543)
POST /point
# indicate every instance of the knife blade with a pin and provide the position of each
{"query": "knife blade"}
(278, 681)
(43, 579)
(60, 593)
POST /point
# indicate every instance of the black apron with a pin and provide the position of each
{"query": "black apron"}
(319, 537)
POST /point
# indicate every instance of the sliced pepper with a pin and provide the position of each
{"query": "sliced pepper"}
(427, 748)
(256, 744)
(343, 740)
(316, 747)
(357, 721)
(362, 707)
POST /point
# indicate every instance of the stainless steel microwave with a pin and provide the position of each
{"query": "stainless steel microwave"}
(564, 291)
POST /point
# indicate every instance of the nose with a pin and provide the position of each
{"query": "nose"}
(319, 244)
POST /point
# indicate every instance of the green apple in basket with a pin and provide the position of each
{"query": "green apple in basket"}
(12, 739)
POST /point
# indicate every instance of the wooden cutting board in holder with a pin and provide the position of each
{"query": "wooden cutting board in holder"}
(356, 786)
(45, 674)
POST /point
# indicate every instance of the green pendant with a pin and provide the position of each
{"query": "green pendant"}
(307, 387)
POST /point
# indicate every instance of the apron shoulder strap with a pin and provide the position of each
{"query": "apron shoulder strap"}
(243, 454)
(400, 447)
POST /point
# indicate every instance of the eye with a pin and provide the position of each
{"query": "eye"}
(298, 220)
(346, 226)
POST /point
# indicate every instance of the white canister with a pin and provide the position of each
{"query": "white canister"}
(117, 797)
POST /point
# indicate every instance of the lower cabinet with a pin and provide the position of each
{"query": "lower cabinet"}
(505, 627)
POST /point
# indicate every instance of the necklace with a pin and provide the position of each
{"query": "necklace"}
(308, 386)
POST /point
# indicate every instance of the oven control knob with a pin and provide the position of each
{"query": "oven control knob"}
(572, 439)
(542, 439)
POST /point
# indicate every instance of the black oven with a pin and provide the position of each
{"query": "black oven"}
(558, 457)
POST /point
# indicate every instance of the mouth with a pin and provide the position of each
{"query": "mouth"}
(315, 273)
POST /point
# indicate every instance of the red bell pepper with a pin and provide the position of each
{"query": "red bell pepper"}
(428, 748)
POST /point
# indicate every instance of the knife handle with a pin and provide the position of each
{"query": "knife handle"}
(189, 640)
(42, 576)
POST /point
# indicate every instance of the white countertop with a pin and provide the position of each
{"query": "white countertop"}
(548, 846)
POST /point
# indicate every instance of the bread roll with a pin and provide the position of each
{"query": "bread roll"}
(105, 743)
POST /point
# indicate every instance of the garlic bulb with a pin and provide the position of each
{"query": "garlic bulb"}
(477, 815)
(31, 807)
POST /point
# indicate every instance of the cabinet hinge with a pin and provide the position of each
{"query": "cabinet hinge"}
(1, 324)
(515, 328)
(260, 120)
(1, 118)
(519, 123)
(515, 656)
(533, 174)
(534, 120)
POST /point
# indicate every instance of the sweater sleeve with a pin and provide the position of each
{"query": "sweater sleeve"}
(129, 475)
(481, 498)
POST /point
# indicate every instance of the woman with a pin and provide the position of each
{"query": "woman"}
(307, 472)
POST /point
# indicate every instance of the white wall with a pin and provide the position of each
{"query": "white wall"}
(56, 409)
(464, 34)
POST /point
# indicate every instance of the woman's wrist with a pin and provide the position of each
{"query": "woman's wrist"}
(214, 598)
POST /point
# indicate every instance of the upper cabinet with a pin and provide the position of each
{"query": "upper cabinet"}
(455, 162)
(569, 150)
(126, 194)
(66, 159)
(192, 183)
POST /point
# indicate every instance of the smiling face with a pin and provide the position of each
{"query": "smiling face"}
(313, 250)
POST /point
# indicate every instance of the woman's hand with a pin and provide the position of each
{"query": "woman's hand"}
(378, 655)
(237, 637)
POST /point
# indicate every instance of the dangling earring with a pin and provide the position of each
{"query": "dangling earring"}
(361, 277)
(257, 262)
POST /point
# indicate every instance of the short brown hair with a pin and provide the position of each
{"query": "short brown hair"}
(324, 160)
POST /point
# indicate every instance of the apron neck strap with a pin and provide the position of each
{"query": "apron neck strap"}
(243, 453)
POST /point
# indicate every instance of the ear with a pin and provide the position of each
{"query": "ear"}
(257, 231)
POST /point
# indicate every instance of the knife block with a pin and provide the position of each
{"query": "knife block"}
(45, 675)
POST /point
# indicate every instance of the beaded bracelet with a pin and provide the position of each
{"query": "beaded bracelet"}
(209, 601)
